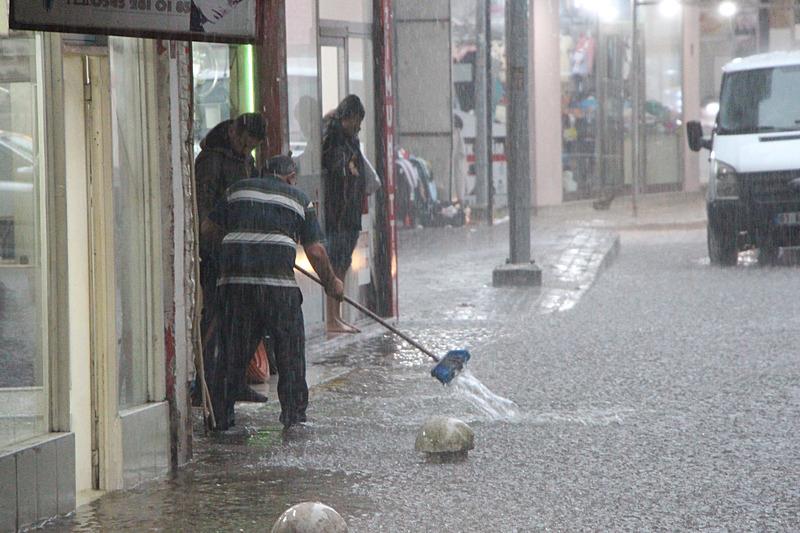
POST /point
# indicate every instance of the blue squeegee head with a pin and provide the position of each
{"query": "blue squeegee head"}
(450, 365)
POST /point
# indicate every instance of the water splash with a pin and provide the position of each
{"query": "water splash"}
(476, 393)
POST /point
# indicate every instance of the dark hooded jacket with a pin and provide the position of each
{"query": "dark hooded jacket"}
(217, 167)
(344, 192)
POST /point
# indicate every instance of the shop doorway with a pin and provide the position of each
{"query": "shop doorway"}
(116, 342)
(345, 67)
(87, 102)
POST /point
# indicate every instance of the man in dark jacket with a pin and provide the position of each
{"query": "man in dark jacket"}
(225, 158)
(258, 226)
(345, 188)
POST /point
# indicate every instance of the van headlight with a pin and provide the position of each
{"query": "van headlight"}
(725, 180)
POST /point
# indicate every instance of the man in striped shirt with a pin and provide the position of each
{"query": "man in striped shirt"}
(259, 225)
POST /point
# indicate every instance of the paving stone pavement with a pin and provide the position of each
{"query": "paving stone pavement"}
(445, 273)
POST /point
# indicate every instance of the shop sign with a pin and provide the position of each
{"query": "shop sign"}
(195, 20)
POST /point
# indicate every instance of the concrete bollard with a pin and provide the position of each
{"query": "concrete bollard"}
(310, 517)
(445, 440)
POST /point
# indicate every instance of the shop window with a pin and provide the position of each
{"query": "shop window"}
(579, 115)
(595, 68)
(132, 228)
(663, 105)
(212, 88)
(346, 10)
(360, 71)
(305, 116)
(23, 264)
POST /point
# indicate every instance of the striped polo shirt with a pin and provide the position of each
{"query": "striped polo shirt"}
(263, 221)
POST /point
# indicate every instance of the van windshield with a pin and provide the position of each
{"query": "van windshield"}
(762, 100)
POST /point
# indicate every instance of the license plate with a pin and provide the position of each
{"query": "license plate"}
(787, 219)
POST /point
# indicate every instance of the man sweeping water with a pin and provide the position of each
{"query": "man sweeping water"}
(259, 224)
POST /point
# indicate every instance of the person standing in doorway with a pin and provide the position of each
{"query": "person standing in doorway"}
(345, 188)
(258, 225)
(225, 157)
(459, 188)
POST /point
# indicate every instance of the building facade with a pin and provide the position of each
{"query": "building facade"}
(86, 334)
(582, 93)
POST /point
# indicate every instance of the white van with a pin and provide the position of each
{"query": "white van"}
(753, 198)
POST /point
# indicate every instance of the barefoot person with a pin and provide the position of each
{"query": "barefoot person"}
(345, 189)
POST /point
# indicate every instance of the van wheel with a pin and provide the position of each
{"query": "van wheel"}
(721, 246)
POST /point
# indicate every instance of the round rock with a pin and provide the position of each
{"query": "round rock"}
(310, 517)
(445, 439)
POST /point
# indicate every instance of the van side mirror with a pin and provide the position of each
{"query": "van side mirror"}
(694, 134)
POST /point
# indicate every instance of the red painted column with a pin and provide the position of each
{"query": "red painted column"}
(271, 77)
(385, 109)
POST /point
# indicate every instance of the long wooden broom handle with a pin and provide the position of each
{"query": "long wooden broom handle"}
(376, 318)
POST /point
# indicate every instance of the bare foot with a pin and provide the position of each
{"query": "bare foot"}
(340, 326)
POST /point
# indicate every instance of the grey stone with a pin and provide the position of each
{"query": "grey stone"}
(310, 517)
(517, 275)
(8, 493)
(65, 457)
(132, 453)
(26, 487)
(445, 439)
(162, 443)
(46, 480)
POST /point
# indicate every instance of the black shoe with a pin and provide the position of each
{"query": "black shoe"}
(222, 423)
(287, 421)
(247, 394)
(293, 420)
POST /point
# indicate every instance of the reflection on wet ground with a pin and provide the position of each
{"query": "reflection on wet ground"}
(359, 441)
(636, 412)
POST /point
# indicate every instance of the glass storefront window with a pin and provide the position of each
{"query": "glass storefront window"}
(305, 124)
(23, 264)
(360, 71)
(131, 176)
(333, 78)
(305, 120)
(212, 88)
(346, 10)
(663, 99)
(579, 107)
(595, 47)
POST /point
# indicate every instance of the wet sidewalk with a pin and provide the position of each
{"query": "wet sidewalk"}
(445, 274)
(371, 391)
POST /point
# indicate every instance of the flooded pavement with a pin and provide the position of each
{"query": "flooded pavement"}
(666, 398)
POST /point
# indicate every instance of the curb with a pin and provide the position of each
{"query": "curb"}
(609, 256)
(662, 226)
(597, 257)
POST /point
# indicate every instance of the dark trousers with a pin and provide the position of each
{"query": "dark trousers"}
(248, 313)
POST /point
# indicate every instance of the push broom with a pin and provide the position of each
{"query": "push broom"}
(447, 367)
